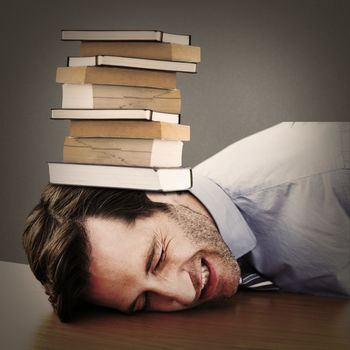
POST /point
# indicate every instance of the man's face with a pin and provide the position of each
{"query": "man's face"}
(167, 262)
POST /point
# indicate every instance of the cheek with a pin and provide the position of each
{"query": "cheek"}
(230, 274)
(161, 303)
(112, 288)
(184, 255)
(125, 283)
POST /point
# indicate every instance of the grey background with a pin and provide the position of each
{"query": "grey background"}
(263, 62)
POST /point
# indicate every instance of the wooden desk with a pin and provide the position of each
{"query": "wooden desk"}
(247, 321)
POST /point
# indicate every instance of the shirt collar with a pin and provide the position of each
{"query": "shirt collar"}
(229, 220)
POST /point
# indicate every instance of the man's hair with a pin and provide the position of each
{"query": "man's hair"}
(56, 242)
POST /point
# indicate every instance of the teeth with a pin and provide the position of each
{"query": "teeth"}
(205, 275)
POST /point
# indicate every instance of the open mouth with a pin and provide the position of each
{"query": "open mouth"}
(209, 280)
(205, 274)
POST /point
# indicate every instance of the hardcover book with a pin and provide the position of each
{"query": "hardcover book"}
(116, 76)
(158, 51)
(114, 114)
(150, 179)
(129, 129)
(130, 62)
(120, 97)
(121, 151)
(126, 35)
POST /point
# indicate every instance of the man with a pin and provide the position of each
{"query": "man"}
(276, 204)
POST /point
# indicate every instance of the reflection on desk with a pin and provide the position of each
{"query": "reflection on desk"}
(250, 320)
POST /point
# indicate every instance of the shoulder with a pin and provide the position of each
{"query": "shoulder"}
(282, 153)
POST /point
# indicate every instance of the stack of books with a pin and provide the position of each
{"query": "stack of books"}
(123, 104)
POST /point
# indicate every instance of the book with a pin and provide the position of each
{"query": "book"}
(150, 179)
(116, 76)
(126, 35)
(121, 114)
(158, 51)
(121, 151)
(130, 62)
(120, 97)
(129, 129)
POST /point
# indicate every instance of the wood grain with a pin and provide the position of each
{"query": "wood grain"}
(250, 320)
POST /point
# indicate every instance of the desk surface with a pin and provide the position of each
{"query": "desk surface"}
(250, 320)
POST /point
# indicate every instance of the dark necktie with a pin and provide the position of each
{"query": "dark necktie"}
(251, 279)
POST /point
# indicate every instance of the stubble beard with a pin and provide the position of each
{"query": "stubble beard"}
(201, 231)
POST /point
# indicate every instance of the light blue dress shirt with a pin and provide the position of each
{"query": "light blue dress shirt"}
(282, 196)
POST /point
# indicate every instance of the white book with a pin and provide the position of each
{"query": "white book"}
(130, 62)
(150, 179)
(126, 35)
(119, 114)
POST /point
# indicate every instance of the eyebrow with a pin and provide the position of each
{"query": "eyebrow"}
(149, 258)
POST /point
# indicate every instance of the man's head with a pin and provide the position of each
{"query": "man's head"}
(120, 249)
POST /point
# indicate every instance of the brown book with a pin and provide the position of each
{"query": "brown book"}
(129, 129)
(116, 76)
(120, 97)
(121, 151)
(151, 50)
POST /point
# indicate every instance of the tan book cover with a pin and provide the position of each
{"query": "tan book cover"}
(121, 151)
(129, 129)
(120, 97)
(151, 50)
(116, 76)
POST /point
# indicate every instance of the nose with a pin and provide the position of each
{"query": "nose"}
(170, 292)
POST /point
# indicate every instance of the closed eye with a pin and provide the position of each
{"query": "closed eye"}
(160, 260)
(162, 256)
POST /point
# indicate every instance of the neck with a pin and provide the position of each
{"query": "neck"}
(184, 198)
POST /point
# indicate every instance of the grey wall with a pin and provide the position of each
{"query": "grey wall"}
(263, 62)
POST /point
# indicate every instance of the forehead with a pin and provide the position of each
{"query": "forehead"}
(119, 255)
(117, 252)
(111, 238)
